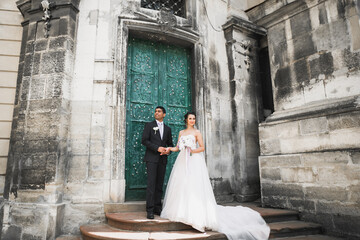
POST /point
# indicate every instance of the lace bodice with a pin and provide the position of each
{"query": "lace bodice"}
(187, 141)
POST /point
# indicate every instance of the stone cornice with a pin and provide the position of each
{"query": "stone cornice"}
(24, 6)
(153, 27)
(329, 107)
(271, 12)
(30, 7)
(243, 25)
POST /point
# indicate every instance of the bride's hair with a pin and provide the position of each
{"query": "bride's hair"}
(187, 115)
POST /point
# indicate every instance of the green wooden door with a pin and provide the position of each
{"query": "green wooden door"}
(157, 74)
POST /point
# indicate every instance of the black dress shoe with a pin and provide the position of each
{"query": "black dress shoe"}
(150, 215)
(157, 213)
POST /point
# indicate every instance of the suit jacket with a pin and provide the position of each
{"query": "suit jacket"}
(152, 141)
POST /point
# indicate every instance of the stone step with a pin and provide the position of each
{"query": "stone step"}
(310, 237)
(293, 228)
(137, 221)
(272, 214)
(68, 237)
(106, 232)
(135, 206)
(269, 214)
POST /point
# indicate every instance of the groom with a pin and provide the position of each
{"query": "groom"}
(156, 137)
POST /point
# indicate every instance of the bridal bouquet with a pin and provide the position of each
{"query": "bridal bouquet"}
(186, 142)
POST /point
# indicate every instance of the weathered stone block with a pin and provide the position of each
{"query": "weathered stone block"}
(351, 172)
(348, 224)
(54, 86)
(41, 45)
(28, 63)
(321, 38)
(282, 77)
(325, 219)
(29, 48)
(339, 34)
(37, 89)
(79, 146)
(53, 62)
(276, 34)
(11, 232)
(314, 91)
(350, 120)
(278, 202)
(300, 24)
(355, 157)
(332, 175)
(32, 179)
(322, 14)
(279, 161)
(93, 192)
(313, 126)
(97, 162)
(270, 173)
(322, 65)
(326, 193)
(301, 69)
(62, 42)
(278, 189)
(323, 159)
(81, 214)
(297, 175)
(354, 194)
(303, 46)
(337, 208)
(302, 204)
(33, 161)
(77, 174)
(268, 147)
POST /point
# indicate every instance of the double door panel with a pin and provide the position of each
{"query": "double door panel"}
(157, 74)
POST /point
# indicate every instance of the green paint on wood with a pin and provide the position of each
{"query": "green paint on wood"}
(157, 74)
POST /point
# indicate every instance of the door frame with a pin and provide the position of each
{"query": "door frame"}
(148, 30)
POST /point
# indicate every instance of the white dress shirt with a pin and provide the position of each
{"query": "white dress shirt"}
(161, 128)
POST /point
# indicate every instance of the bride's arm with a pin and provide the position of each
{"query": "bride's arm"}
(176, 149)
(201, 147)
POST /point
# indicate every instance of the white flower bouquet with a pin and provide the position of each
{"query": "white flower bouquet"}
(186, 142)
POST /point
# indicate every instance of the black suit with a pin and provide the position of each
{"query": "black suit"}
(155, 163)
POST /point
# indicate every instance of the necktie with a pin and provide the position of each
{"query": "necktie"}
(161, 129)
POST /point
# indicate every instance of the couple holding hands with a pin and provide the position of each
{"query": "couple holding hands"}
(189, 197)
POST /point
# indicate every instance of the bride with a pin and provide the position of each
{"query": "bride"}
(189, 197)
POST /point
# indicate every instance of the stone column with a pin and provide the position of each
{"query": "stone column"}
(242, 41)
(38, 156)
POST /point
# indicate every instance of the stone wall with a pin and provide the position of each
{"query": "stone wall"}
(38, 156)
(10, 41)
(96, 170)
(67, 155)
(10, 28)
(310, 145)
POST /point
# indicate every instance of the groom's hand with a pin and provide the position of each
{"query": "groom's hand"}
(167, 151)
(161, 150)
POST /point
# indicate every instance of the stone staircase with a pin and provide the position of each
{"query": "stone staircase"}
(128, 221)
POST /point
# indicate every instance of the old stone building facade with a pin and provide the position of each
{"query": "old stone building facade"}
(274, 84)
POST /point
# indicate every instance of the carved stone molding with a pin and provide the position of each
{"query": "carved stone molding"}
(246, 46)
(47, 16)
(166, 19)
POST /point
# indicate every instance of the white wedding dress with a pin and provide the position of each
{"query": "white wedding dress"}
(189, 198)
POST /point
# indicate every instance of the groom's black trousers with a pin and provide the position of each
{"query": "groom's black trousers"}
(155, 180)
